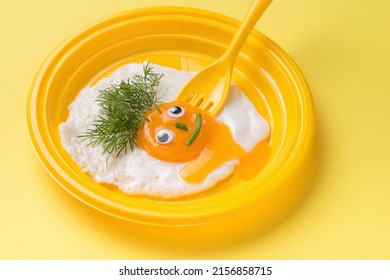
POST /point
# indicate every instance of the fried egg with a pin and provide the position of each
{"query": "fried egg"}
(164, 163)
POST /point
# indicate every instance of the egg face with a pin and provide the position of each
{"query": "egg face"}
(167, 134)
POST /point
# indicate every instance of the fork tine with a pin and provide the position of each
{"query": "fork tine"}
(190, 97)
(198, 102)
(207, 106)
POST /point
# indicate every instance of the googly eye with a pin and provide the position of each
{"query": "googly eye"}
(164, 136)
(176, 111)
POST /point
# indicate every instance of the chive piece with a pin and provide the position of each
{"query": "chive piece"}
(181, 126)
(196, 130)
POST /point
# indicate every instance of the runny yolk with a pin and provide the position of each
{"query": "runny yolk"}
(221, 148)
(212, 147)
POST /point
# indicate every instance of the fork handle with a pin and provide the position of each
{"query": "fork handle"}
(256, 9)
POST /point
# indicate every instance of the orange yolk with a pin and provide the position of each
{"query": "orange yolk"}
(177, 150)
(213, 146)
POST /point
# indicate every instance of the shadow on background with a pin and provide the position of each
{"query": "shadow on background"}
(198, 240)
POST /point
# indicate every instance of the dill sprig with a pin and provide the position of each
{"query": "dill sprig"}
(124, 106)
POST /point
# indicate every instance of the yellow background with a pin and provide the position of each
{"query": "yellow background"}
(343, 210)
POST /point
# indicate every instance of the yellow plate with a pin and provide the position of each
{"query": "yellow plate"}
(186, 39)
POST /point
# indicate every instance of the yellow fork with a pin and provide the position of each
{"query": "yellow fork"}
(209, 88)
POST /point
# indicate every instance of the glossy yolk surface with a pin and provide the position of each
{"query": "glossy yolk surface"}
(213, 146)
(177, 150)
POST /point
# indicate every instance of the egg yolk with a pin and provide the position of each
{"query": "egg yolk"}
(166, 135)
(169, 120)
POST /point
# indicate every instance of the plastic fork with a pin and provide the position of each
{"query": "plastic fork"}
(209, 88)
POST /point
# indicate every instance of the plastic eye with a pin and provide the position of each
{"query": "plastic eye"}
(164, 136)
(176, 111)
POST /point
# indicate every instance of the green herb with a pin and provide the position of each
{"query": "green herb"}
(181, 125)
(124, 106)
(195, 133)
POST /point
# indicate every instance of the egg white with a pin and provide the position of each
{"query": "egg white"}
(137, 172)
